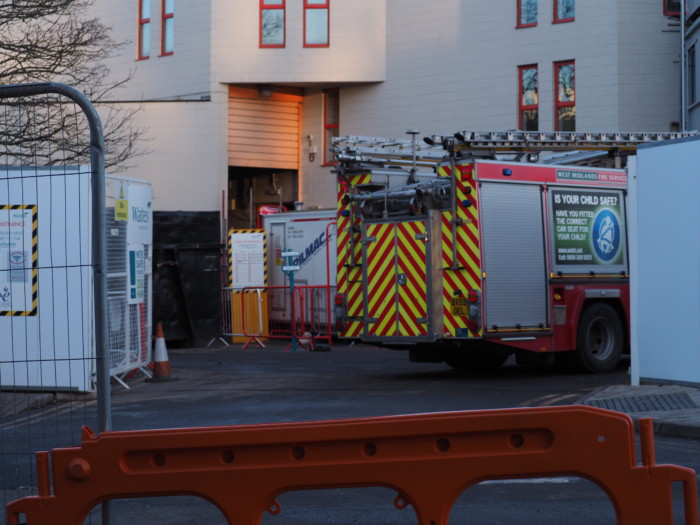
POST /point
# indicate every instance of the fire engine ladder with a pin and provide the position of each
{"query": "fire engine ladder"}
(378, 152)
(436, 148)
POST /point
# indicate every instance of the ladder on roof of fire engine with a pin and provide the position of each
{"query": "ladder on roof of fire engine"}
(355, 148)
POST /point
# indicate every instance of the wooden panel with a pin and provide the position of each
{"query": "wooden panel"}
(263, 133)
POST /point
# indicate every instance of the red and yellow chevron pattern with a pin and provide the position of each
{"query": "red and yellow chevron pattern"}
(397, 279)
(466, 274)
(381, 280)
(413, 294)
(349, 257)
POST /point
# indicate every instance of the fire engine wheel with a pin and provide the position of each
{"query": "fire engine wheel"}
(600, 338)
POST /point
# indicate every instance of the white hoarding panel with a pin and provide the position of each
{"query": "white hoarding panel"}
(46, 327)
(667, 281)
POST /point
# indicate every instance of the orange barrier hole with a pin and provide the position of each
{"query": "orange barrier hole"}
(544, 501)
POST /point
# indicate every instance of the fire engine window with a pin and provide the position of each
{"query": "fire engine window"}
(272, 23)
(563, 11)
(564, 73)
(316, 22)
(529, 98)
(527, 13)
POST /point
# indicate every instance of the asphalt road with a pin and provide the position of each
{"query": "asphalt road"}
(229, 386)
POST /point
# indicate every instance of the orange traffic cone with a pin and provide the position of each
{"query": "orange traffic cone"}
(161, 363)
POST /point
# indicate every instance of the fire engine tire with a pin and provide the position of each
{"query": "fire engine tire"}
(600, 338)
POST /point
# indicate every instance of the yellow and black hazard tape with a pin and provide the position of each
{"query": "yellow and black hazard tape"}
(35, 261)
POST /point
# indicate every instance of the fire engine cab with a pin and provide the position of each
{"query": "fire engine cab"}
(460, 250)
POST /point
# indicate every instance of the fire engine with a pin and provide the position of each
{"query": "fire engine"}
(466, 249)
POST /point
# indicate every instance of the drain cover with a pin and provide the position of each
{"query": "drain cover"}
(649, 403)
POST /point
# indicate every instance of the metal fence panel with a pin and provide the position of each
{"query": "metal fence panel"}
(53, 310)
(129, 301)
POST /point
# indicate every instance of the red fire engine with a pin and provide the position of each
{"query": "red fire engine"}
(456, 255)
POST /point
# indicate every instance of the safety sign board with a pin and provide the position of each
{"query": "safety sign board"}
(247, 259)
(136, 266)
(588, 227)
(121, 205)
(18, 273)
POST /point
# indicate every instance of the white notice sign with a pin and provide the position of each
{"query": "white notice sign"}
(247, 256)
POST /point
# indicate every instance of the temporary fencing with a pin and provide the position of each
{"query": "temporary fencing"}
(247, 318)
(428, 459)
(129, 275)
(53, 306)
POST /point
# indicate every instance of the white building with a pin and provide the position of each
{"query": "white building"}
(245, 93)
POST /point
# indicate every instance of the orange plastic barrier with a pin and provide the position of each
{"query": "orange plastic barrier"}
(429, 459)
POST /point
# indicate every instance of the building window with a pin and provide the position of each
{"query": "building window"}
(528, 98)
(331, 121)
(563, 11)
(565, 102)
(672, 7)
(167, 43)
(144, 45)
(692, 80)
(527, 13)
(272, 13)
(316, 22)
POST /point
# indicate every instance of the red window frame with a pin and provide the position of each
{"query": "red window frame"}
(143, 26)
(671, 12)
(519, 23)
(556, 19)
(526, 107)
(329, 125)
(308, 6)
(164, 17)
(558, 104)
(265, 6)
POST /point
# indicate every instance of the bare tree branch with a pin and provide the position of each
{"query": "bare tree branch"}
(53, 41)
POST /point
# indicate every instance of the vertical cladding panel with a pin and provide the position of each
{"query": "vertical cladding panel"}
(412, 262)
(465, 275)
(514, 255)
(349, 267)
(380, 260)
(263, 133)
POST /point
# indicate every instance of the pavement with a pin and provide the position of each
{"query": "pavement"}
(675, 410)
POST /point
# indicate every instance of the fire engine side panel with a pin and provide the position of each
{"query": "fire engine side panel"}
(588, 231)
(512, 228)
(379, 258)
(411, 248)
(551, 174)
(349, 261)
(464, 275)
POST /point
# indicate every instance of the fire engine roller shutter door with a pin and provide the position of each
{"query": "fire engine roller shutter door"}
(515, 288)
(263, 133)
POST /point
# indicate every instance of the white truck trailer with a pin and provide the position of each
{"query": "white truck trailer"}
(312, 234)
